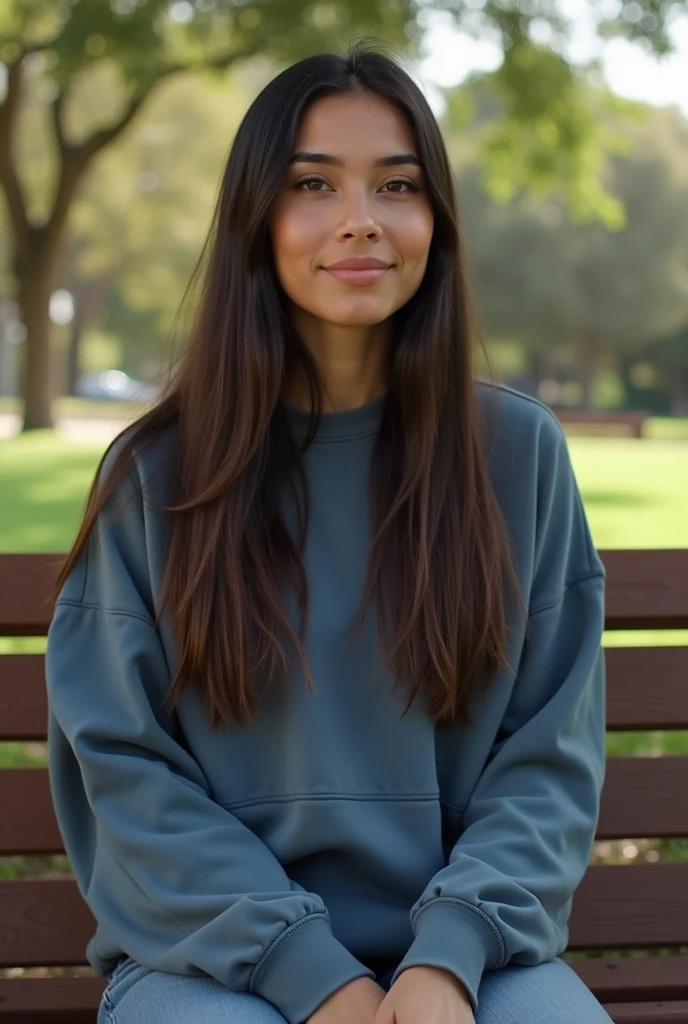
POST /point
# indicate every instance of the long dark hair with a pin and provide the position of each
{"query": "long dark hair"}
(439, 563)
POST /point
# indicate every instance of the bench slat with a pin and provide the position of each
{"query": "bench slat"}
(23, 700)
(44, 922)
(631, 703)
(25, 585)
(50, 1000)
(636, 978)
(646, 589)
(76, 1001)
(27, 819)
(47, 922)
(649, 1013)
(631, 907)
(647, 688)
(642, 798)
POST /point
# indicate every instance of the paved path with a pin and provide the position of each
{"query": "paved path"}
(99, 431)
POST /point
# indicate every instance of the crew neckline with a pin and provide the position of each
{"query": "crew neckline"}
(339, 426)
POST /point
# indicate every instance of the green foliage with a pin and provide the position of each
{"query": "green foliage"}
(551, 284)
(147, 40)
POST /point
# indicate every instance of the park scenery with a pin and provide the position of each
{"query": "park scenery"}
(115, 122)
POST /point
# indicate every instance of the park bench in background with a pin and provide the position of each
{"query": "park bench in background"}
(598, 421)
(44, 922)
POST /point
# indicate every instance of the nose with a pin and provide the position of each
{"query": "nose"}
(358, 218)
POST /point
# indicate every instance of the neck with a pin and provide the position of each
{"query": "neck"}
(351, 361)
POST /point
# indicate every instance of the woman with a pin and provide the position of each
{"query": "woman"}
(325, 678)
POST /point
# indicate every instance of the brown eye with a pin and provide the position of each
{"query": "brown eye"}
(311, 180)
(406, 184)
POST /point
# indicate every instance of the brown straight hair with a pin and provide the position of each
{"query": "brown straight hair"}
(439, 565)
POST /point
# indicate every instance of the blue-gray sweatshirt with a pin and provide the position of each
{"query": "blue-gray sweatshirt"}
(330, 837)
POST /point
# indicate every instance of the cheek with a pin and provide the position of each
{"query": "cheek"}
(296, 234)
(413, 237)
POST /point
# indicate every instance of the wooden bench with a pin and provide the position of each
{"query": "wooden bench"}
(44, 922)
(592, 419)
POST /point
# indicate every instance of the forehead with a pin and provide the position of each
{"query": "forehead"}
(355, 124)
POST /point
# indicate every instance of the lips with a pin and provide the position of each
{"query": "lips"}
(359, 263)
(363, 271)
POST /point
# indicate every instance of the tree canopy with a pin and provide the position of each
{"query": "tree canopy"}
(547, 134)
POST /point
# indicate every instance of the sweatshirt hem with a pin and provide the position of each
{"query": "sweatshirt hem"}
(303, 967)
(458, 937)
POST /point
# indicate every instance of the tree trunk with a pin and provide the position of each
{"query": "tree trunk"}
(35, 289)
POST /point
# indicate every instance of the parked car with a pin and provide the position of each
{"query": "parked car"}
(115, 385)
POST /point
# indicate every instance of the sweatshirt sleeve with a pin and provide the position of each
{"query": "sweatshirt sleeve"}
(180, 883)
(505, 894)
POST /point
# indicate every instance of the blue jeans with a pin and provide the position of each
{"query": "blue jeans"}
(550, 993)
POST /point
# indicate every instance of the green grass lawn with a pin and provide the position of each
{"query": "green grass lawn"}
(635, 491)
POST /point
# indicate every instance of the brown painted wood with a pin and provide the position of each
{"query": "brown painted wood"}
(44, 922)
(23, 701)
(27, 818)
(614, 981)
(646, 589)
(47, 922)
(25, 587)
(634, 421)
(649, 1013)
(50, 1000)
(76, 1001)
(647, 688)
(644, 797)
(631, 703)
(634, 907)
(634, 979)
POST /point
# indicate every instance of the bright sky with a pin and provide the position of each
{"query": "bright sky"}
(629, 71)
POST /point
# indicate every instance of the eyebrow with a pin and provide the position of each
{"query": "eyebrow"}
(303, 157)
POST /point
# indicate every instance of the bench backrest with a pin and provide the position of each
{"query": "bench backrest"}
(45, 922)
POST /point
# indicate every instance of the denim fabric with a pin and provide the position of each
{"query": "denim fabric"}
(547, 994)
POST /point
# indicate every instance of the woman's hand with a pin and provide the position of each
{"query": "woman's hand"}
(426, 995)
(354, 1003)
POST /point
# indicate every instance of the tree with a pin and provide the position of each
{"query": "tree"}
(145, 42)
(557, 285)
(137, 225)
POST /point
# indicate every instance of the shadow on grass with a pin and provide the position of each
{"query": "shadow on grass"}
(625, 499)
(44, 490)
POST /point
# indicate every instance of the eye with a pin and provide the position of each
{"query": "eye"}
(407, 186)
(396, 186)
(308, 179)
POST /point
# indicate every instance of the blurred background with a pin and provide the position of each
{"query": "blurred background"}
(567, 126)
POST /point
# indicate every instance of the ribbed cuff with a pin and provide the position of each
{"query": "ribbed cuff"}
(305, 967)
(457, 939)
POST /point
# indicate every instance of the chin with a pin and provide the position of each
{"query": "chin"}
(359, 314)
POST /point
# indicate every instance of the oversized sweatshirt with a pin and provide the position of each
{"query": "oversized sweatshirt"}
(332, 835)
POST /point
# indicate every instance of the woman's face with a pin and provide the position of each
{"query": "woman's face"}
(354, 191)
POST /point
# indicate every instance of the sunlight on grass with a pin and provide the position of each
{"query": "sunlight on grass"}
(48, 479)
(635, 491)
